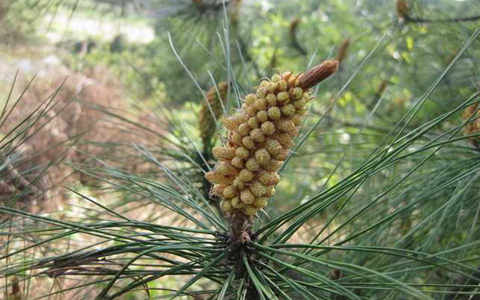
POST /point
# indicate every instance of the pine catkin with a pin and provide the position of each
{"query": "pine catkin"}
(206, 120)
(260, 135)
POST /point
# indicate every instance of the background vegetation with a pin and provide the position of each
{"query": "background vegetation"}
(102, 156)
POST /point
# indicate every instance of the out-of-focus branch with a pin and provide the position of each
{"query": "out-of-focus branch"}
(454, 20)
(293, 36)
(403, 12)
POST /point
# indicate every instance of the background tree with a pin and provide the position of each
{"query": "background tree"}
(377, 197)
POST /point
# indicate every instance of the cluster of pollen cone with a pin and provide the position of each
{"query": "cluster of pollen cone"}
(260, 135)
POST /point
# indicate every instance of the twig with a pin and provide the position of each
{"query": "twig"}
(454, 20)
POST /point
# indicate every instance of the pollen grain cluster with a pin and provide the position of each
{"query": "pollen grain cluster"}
(260, 135)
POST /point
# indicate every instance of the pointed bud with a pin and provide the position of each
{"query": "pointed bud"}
(319, 73)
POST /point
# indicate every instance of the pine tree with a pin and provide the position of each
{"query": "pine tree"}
(364, 186)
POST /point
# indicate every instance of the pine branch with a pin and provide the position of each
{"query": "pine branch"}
(454, 20)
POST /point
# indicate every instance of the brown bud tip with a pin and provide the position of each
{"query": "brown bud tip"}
(403, 9)
(294, 25)
(317, 74)
(342, 50)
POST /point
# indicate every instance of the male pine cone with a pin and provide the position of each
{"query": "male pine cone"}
(260, 135)
(206, 120)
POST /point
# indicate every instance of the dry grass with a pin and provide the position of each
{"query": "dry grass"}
(77, 119)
